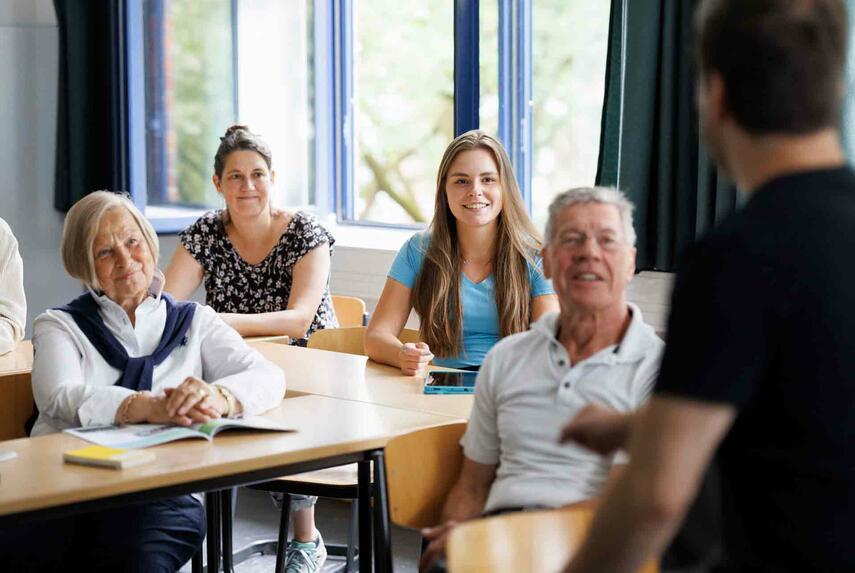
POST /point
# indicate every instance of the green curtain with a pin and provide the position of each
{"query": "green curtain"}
(650, 145)
(848, 130)
(91, 136)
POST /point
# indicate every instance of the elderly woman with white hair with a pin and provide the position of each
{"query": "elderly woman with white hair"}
(125, 352)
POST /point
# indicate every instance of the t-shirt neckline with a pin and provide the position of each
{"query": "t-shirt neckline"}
(267, 257)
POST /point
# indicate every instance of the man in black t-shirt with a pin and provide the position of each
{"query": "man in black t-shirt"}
(760, 357)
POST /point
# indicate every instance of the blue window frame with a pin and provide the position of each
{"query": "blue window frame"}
(332, 178)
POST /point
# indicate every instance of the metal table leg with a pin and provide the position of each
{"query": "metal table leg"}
(364, 489)
(382, 531)
(212, 508)
(226, 498)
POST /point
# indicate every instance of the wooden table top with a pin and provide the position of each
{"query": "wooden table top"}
(353, 377)
(19, 360)
(326, 427)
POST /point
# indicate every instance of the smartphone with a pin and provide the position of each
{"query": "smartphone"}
(450, 382)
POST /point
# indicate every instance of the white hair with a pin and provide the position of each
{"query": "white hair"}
(581, 195)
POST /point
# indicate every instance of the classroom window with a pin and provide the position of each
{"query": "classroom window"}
(356, 99)
(488, 64)
(569, 46)
(211, 63)
(403, 58)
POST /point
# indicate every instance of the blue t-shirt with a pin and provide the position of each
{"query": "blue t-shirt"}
(480, 314)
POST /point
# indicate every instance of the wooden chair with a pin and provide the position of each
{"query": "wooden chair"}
(350, 340)
(338, 483)
(350, 310)
(523, 541)
(16, 391)
(417, 485)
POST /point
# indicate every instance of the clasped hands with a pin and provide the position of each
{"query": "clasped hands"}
(194, 401)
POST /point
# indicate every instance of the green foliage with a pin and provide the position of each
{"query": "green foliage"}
(404, 83)
(200, 87)
(404, 90)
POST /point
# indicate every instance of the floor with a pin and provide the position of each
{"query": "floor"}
(257, 519)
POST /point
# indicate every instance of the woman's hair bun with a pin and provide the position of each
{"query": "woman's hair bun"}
(233, 129)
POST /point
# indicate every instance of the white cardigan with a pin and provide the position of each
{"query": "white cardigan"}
(74, 386)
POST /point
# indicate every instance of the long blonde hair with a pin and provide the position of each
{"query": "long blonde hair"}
(436, 292)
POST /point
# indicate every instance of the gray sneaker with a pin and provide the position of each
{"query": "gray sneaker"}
(305, 557)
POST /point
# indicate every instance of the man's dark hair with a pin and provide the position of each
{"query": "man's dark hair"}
(782, 61)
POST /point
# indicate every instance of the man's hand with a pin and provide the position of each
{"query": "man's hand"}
(436, 548)
(414, 358)
(599, 429)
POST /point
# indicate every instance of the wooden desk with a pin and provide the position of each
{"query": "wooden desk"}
(278, 339)
(352, 377)
(331, 432)
(16, 392)
(38, 479)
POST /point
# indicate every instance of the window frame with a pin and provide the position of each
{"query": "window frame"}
(333, 100)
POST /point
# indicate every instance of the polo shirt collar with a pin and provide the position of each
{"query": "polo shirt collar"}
(633, 347)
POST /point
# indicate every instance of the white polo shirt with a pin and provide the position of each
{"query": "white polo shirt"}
(527, 390)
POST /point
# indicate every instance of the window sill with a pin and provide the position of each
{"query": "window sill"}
(366, 237)
(386, 239)
(171, 220)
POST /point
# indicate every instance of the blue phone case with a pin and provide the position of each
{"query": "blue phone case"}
(449, 389)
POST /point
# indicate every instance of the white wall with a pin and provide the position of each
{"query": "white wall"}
(28, 76)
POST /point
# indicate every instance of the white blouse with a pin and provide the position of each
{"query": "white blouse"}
(74, 386)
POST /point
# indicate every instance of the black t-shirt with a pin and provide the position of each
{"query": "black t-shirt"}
(763, 318)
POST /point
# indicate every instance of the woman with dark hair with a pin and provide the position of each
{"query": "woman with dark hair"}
(263, 269)
(266, 272)
(475, 276)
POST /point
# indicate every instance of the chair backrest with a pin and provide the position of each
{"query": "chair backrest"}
(347, 339)
(16, 405)
(350, 339)
(421, 468)
(349, 310)
(523, 541)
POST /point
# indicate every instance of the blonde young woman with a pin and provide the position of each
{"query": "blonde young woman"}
(266, 272)
(473, 277)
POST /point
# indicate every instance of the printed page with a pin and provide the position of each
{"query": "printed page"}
(134, 435)
(249, 423)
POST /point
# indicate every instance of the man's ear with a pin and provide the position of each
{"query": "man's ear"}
(630, 264)
(715, 97)
(547, 270)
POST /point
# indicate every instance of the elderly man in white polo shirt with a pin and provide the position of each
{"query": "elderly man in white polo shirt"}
(597, 350)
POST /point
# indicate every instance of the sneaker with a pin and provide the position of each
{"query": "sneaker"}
(305, 557)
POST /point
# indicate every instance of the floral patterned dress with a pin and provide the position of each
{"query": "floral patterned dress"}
(233, 285)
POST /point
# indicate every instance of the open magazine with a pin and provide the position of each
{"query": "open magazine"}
(144, 435)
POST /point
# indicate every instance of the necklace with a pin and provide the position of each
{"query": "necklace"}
(470, 261)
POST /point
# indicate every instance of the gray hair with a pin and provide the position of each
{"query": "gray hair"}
(581, 195)
(81, 228)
